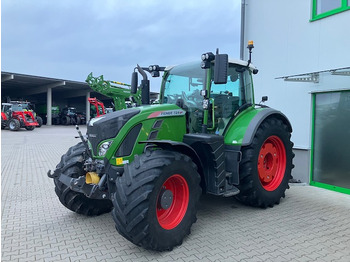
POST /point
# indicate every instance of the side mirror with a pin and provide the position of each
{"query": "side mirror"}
(220, 68)
(134, 82)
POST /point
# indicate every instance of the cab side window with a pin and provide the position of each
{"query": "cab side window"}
(226, 98)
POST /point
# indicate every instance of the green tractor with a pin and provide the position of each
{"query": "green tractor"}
(149, 165)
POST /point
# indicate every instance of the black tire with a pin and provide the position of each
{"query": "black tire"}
(264, 180)
(29, 128)
(73, 121)
(39, 120)
(137, 212)
(65, 120)
(72, 165)
(14, 125)
(78, 120)
(55, 121)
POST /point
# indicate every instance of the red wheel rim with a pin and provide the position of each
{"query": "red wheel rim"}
(171, 217)
(272, 163)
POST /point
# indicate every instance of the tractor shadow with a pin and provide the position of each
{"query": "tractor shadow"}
(216, 203)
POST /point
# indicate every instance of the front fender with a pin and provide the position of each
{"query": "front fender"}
(179, 147)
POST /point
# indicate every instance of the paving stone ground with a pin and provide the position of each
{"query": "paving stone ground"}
(310, 224)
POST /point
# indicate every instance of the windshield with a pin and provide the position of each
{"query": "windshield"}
(20, 107)
(183, 84)
(182, 87)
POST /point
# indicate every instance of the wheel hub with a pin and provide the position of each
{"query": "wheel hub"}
(268, 162)
(172, 202)
(272, 163)
(166, 199)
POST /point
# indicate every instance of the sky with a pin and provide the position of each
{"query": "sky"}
(68, 39)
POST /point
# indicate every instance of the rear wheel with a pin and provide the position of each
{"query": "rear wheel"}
(156, 198)
(266, 165)
(72, 165)
(14, 124)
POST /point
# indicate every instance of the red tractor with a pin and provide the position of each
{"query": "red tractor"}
(15, 115)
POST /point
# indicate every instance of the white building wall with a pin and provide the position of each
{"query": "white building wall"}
(287, 43)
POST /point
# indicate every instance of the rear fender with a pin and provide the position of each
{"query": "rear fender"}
(3, 116)
(258, 119)
(242, 130)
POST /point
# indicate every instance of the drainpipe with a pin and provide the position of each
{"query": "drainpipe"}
(242, 29)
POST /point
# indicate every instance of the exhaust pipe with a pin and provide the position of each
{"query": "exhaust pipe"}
(92, 178)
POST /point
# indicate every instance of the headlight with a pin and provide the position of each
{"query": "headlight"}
(103, 148)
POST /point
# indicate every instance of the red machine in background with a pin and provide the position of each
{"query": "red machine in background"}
(98, 108)
(15, 115)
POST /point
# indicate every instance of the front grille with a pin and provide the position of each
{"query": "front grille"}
(108, 126)
(126, 147)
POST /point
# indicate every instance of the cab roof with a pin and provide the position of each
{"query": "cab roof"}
(230, 60)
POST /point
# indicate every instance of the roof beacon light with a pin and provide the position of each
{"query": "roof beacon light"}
(250, 47)
(250, 44)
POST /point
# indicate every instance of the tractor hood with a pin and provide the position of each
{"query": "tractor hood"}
(108, 126)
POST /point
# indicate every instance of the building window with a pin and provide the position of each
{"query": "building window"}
(324, 8)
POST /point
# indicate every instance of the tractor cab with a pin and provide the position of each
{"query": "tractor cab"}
(6, 108)
(184, 85)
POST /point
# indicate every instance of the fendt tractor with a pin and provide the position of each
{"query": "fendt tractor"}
(149, 165)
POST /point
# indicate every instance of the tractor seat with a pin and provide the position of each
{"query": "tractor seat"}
(226, 105)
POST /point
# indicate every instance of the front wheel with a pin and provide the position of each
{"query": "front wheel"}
(266, 165)
(156, 198)
(72, 165)
(65, 120)
(14, 124)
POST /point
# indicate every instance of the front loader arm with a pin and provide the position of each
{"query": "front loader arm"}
(111, 89)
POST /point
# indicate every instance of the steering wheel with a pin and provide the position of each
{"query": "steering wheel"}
(184, 96)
